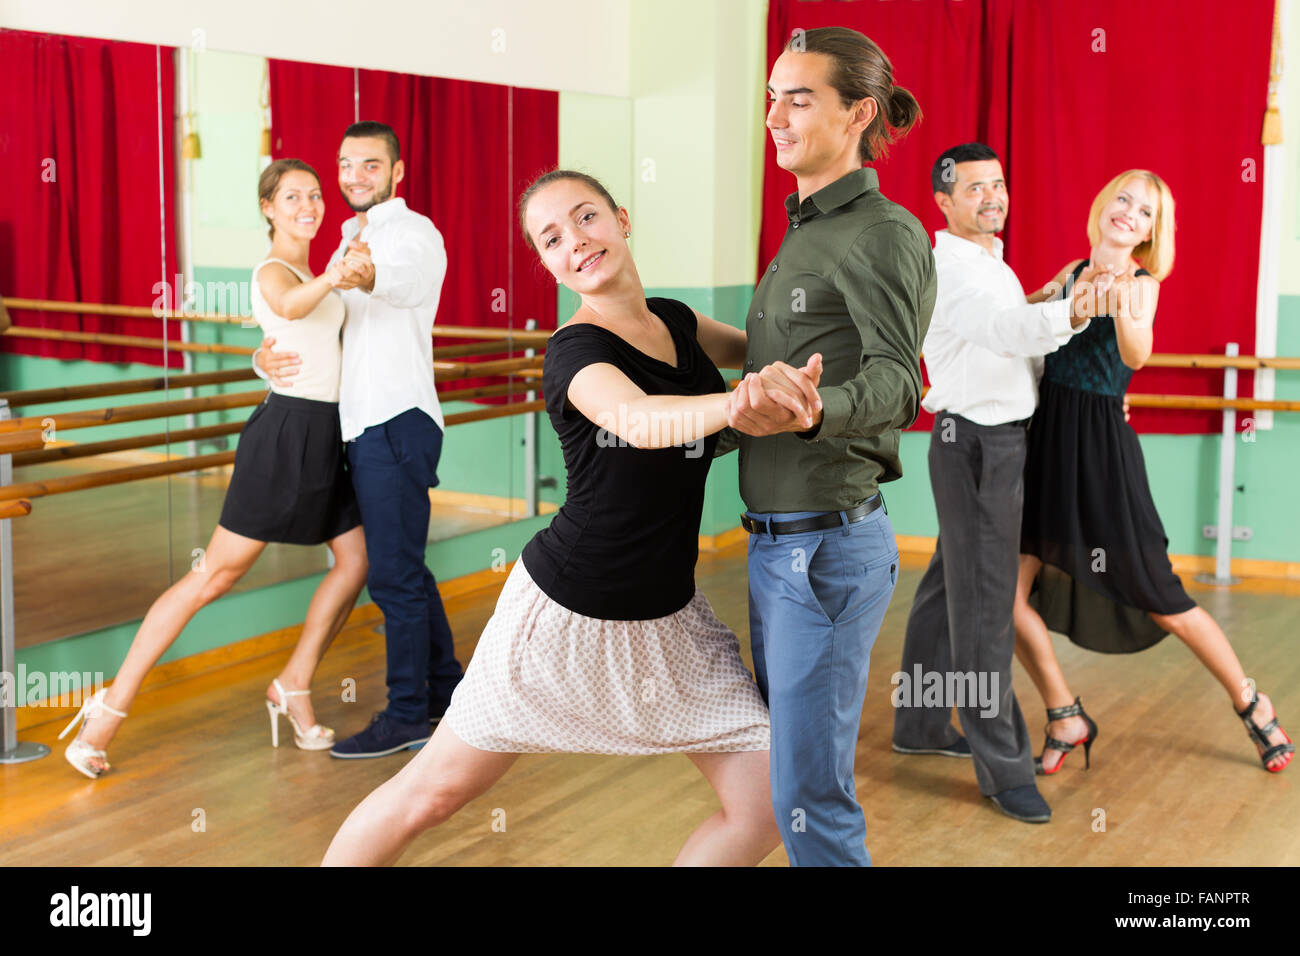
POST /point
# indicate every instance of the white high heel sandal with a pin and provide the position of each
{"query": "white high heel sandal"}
(316, 737)
(80, 753)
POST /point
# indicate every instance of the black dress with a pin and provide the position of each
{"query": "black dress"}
(1088, 510)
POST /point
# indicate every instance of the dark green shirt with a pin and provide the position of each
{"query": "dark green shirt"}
(854, 279)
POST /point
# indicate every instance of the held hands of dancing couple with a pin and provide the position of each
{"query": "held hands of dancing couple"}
(780, 398)
(355, 270)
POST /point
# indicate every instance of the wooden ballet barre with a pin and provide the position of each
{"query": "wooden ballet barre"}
(524, 337)
(125, 311)
(1211, 403)
(129, 413)
(99, 479)
(1175, 360)
(132, 413)
(10, 504)
(486, 391)
(475, 348)
(450, 370)
(68, 393)
(29, 439)
(15, 509)
(497, 411)
(87, 449)
(133, 341)
(214, 348)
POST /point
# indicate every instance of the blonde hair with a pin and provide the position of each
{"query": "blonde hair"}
(1156, 255)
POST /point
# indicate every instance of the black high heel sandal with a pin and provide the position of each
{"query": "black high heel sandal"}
(1260, 736)
(1060, 713)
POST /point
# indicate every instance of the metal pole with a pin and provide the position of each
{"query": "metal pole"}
(185, 226)
(530, 443)
(12, 751)
(1227, 463)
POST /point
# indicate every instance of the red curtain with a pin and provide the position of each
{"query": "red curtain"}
(83, 218)
(1069, 95)
(469, 151)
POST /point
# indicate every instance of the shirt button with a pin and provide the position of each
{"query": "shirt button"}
(774, 267)
(795, 225)
(760, 315)
(749, 364)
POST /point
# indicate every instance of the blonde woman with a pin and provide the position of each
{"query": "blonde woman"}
(289, 483)
(1100, 566)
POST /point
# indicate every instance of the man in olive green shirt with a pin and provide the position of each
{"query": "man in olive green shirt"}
(838, 318)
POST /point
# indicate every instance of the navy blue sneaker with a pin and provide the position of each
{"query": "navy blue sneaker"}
(1025, 804)
(959, 749)
(384, 736)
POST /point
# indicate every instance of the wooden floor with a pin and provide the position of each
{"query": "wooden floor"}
(111, 547)
(1173, 771)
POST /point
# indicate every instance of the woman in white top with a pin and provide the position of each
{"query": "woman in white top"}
(289, 484)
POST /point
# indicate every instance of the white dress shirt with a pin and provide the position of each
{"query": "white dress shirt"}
(985, 344)
(388, 333)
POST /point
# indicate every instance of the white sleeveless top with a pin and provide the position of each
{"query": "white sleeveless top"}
(315, 337)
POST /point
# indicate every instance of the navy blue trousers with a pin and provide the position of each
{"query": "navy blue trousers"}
(393, 467)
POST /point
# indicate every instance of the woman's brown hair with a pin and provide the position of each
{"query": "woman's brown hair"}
(860, 69)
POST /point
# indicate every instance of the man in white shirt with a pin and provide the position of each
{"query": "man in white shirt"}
(393, 425)
(984, 353)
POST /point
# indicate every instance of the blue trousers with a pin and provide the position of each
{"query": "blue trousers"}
(816, 603)
(393, 467)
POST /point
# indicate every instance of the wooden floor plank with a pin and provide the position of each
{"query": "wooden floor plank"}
(1173, 771)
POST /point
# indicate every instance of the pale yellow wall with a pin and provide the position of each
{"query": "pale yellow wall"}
(228, 231)
(697, 91)
(576, 45)
(1289, 272)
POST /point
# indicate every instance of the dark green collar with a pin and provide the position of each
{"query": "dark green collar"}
(843, 190)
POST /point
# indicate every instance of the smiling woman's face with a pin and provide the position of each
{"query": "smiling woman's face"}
(579, 238)
(297, 207)
(1127, 220)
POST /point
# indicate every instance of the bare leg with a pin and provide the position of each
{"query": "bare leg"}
(444, 776)
(744, 831)
(1202, 634)
(329, 609)
(227, 558)
(1035, 653)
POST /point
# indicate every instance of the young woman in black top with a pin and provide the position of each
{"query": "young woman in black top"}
(600, 642)
(1099, 565)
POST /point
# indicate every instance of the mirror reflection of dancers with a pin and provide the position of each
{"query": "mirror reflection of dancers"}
(1103, 574)
(600, 641)
(289, 483)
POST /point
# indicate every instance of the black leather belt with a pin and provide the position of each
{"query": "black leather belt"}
(820, 523)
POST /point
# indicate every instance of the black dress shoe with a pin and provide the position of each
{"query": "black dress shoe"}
(959, 749)
(1023, 803)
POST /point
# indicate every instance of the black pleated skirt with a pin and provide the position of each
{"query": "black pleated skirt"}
(1090, 518)
(291, 481)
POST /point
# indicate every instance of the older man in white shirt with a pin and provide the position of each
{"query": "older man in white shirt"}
(392, 422)
(984, 354)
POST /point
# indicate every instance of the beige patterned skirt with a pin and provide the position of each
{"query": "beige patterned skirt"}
(545, 679)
